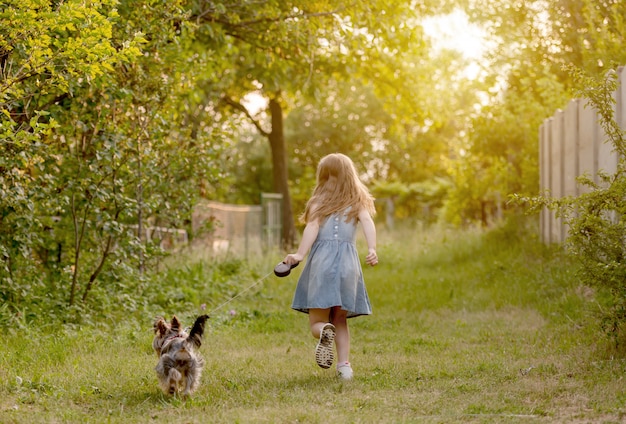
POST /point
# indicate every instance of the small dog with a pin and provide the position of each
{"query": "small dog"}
(180, 365)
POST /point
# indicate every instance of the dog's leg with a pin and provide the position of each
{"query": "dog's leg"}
(194, 373)
(169, 376)
(174, 380)
(190, 381)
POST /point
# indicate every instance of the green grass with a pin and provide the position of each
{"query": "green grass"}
(467, 327)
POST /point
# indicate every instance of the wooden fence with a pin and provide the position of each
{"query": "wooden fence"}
(572, 143)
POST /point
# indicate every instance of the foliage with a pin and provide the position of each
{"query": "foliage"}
(48, 54)
(534, 43)
(501, 156)
(95, 148)
(386, 135)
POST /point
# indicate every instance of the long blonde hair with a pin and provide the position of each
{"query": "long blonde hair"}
(338, 188)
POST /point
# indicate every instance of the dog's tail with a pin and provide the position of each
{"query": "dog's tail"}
(195, 335)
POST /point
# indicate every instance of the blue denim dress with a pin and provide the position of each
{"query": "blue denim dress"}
(332, 275)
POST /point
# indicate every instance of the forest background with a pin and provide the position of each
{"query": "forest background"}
(116, 115)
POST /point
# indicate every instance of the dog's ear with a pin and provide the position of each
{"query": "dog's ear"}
(160, 330)
(197, 331)
(160, 327)
(176, 325)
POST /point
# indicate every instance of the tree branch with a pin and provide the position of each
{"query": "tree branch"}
(206, 16)
(238, 106)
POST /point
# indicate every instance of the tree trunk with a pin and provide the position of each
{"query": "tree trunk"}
(280, 172)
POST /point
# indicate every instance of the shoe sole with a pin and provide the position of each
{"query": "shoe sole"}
(324, 355)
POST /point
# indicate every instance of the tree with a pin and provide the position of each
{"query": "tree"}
(286, 49)
(95, 146)
(47, 53)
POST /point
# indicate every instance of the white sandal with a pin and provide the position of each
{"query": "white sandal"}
(324, 355)
(344, 371)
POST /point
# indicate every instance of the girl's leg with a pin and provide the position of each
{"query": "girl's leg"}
(325, 332)
(339, 318)
(317, 319)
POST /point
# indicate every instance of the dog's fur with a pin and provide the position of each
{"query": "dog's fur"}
(180, 365)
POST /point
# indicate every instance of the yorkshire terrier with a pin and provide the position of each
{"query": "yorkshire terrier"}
(180, 365)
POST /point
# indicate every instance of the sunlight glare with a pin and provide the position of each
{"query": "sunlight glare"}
(255, 102)
(455, 32)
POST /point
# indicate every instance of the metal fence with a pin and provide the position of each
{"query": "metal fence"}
(242, 230)
(572, 143)
(166, 238)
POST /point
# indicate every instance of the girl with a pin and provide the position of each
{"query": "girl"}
(331, 287)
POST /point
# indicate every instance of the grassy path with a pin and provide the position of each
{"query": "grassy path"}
(478, 329)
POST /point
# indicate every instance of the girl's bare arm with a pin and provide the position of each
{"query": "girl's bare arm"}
(369, 230)
(308, 237)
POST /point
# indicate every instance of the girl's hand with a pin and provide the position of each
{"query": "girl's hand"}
(293, 259)
(371, 258)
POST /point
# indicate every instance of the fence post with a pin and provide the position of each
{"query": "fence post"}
(588, 146)
(620, 104)
(556, 165)
(272, 204)
(570, 145)
(544, 178)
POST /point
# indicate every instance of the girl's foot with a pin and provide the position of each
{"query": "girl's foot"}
(324, 355)
(344, 371)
